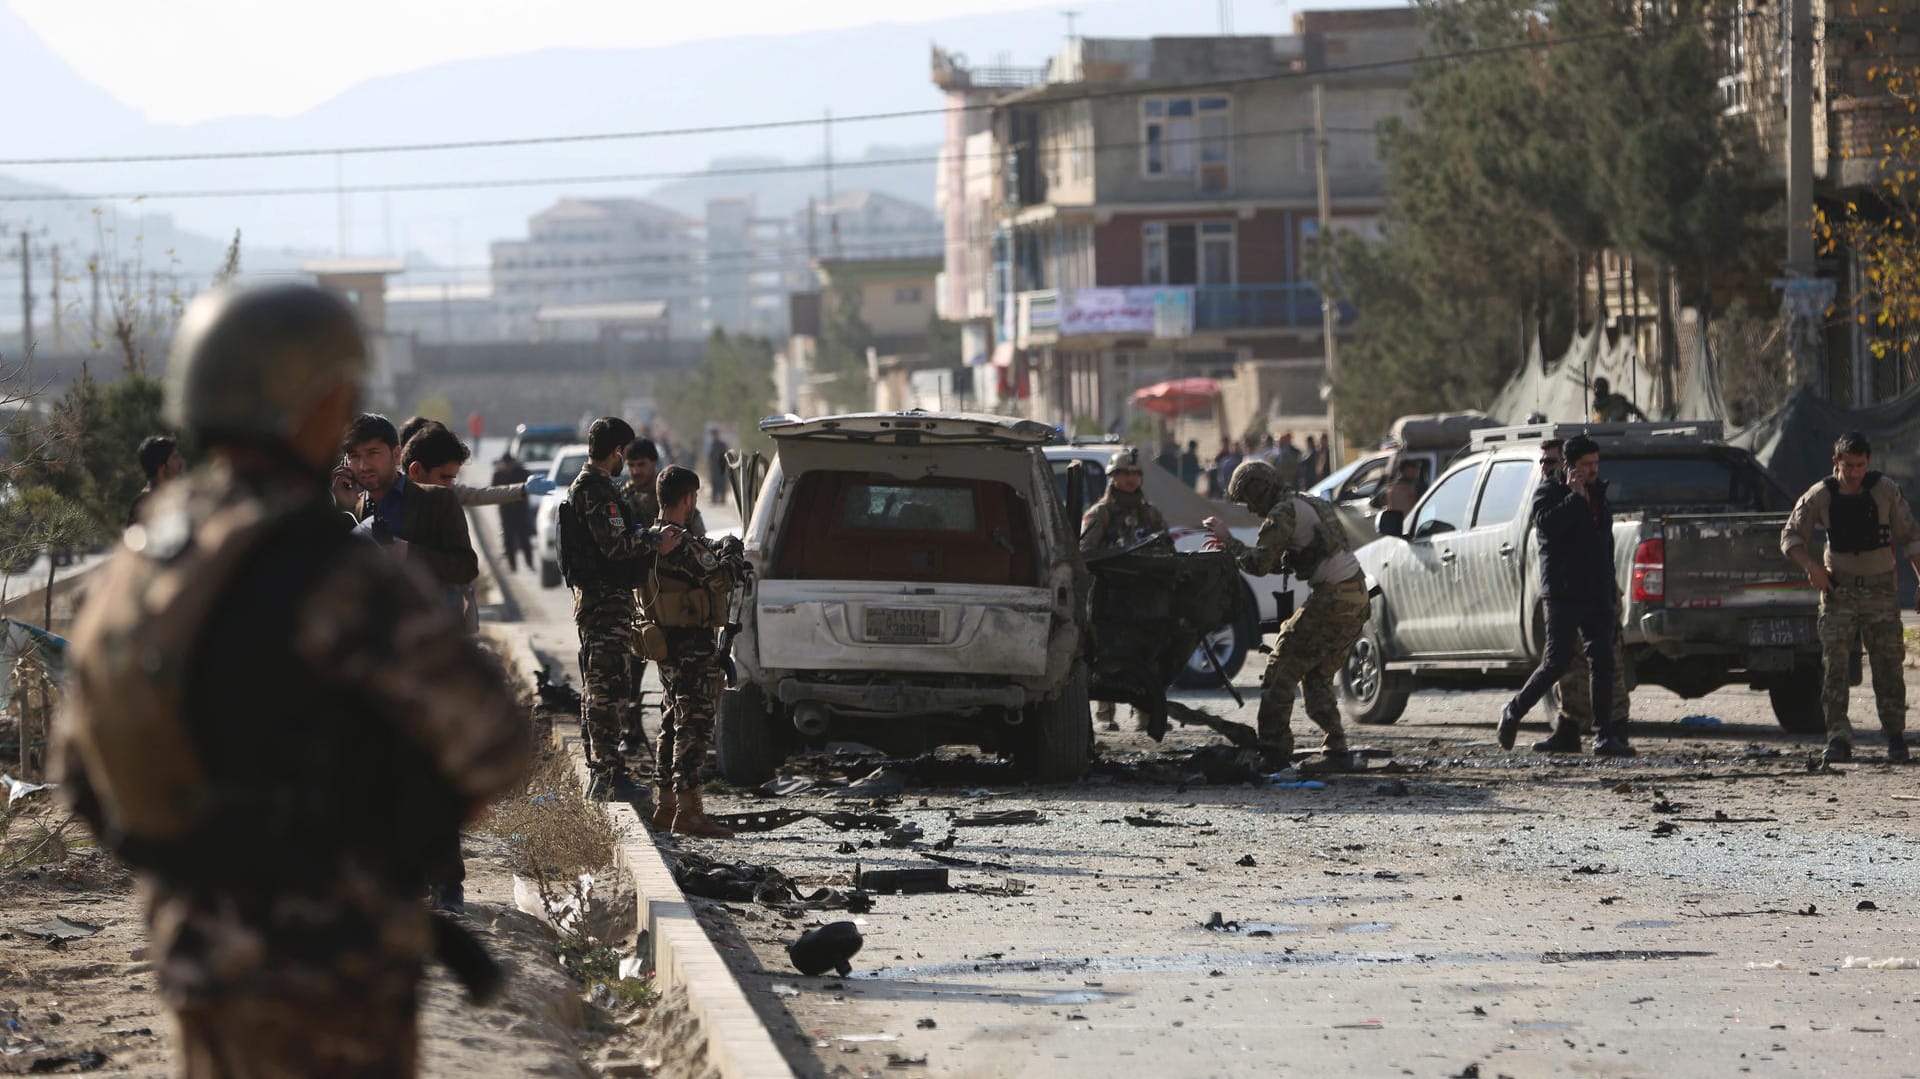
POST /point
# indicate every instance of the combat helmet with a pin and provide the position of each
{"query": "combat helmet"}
(247, 363)
(1124, 459)
(1255, 485)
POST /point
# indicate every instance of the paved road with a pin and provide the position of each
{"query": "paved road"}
(1524, 915)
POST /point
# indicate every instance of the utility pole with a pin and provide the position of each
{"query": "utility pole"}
(1805, 297)
(26, 292)
(1226, 17)
(57, 312)
(93, 311)
(1326, 239)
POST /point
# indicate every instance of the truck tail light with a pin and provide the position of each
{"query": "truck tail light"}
(1650, 571)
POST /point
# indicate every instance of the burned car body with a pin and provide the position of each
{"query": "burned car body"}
(918, 583)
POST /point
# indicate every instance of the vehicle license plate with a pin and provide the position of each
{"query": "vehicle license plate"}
(903, 625)
(1778, 632)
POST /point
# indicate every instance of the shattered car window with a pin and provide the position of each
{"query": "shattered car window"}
(897, 507)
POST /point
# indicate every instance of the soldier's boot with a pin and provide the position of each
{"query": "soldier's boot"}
(1612, 742)
(1564, 739)
(665, 799)
(1897, 752)
(690, 818)
(1839, 751)
(1103, 712)
(1275, 727)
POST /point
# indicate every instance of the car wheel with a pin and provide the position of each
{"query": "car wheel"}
(1057, 738)
(743, 738)
(549, 574)
(1369, 693)
(1796, 702)
(1230, 644)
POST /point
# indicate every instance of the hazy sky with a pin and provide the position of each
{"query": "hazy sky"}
(182, 61)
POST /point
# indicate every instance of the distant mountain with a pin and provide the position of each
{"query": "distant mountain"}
(877, 68)
(783, 193)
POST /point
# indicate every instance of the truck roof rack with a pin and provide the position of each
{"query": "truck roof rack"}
(1533, 433)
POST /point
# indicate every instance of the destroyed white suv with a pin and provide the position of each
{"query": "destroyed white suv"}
(916, 585)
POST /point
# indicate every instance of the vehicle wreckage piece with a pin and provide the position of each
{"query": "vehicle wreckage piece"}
(1150, 609)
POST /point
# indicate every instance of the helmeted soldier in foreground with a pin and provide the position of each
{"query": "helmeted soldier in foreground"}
(1122, 517)
(276, 723)
(1304, 536)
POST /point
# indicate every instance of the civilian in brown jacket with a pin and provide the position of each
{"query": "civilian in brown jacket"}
(421, 521)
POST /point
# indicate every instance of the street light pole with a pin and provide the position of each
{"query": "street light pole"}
(1325, 240)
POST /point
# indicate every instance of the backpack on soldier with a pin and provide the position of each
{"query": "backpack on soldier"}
(132, 655)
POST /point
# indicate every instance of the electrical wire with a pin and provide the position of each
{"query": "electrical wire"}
(775, 125)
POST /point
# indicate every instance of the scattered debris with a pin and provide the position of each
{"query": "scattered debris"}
(1617, 954)
(1239, 734)
(1364, 1024)
(1855, 962)
(1590, 869)
(857, 1038)
(1007, 888)
(61, 928)
(926, 1024)
(962, 863)
(1665, 828)
(895, 1060)
(1393, 788)
(20, 788)
(780, 990)
(1161, 822)
(1865, 904)
(901, 881)
(91, 1060)
(947, 843)
(1610, 900)
(782, 786)
(1699, 720)
(849, 822)
(1217, 924)
(1720, 817)
(1246, 860)
(1300, 784)
(765, 820)
(1471, 1071)
(1774, 965)
(882, 782)
(1000, 817)
(829, 947)
(904, 836)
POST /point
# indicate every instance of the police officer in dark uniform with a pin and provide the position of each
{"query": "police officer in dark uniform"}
(273, 722)
(604, 556)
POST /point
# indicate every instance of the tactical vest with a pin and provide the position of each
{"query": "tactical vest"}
(1320, 539)
(582, 564)
(1853, 521)
(671, 600)
(133, 651)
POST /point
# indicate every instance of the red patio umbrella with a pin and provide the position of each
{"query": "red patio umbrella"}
(1179, 396)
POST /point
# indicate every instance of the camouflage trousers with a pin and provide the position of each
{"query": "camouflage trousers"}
(365, 1034)
(690, 680)
(1310, 649)
(1575, 692)
(608, 646)
(1863, 611)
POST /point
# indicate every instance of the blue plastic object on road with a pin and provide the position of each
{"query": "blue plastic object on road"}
(1699, 720)
(1302, 784)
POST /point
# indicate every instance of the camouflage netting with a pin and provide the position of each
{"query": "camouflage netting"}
(1558, 390)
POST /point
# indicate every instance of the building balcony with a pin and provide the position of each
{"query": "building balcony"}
(1166, 311)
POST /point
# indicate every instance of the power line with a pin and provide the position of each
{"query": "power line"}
(775, 125)
(622, 178)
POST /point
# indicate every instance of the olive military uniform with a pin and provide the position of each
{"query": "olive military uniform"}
(1863, 531)
(286, 924)
(1119, 519)
(604, 565)
(686, 596)
(1304, 536)
(1614, 408)
(643, 511)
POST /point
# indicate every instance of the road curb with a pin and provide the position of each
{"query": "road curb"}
(739, 1046)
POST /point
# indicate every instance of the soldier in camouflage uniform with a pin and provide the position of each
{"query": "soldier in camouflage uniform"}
(686, 597)
(605, 555)
(1121, 517)
(1611, 407)
(643, 506)
(1302, 535)
(1867, 519)
(273, 722)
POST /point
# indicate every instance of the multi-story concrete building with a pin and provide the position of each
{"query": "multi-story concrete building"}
(867, 224)
(1154, 213)
(597, 251)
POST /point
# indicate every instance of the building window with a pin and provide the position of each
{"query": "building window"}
(1188, 138)
(1188, 252)
(1733, 61)
(907, 294)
